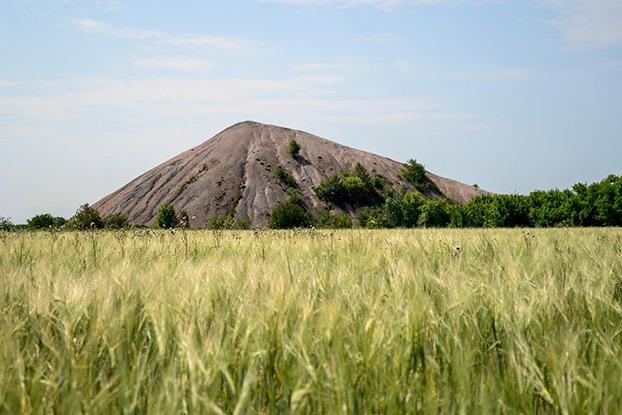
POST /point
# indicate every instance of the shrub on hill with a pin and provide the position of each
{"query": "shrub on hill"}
(356, 187)
(85, 218)
(294, 148)
(285, 177)
(414, 173)
(289, 215)
(167, 218)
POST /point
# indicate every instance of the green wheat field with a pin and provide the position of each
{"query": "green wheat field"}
(351, 321)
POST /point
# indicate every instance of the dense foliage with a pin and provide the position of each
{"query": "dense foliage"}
(285, 177)
(597, 204)
(294, 148)
(332, 220)
(356, 187)
(116, 221)
(45, 221)
(375, 204)
(167, 218)
(85, 218)
(5, 224)
(289, 215)
(414, 173)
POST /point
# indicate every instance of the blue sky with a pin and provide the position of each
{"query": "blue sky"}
(511, 95)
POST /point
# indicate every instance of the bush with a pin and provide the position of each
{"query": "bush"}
(356, 187)
(414, 173)
(285, 177)
(434, 214)
(294, 148)
(371, 217)
(116, 221)
(403, 209)
(43, 221)
(330, 220)
(167, 218)
(85, 218)
(227, 222)
(289, 215)
(5, 224)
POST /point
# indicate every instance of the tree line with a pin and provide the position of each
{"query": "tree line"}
(375, 203)
(357, 197)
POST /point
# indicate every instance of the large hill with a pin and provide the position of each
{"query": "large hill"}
(233, 173)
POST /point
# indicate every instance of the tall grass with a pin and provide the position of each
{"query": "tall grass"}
(349, 321)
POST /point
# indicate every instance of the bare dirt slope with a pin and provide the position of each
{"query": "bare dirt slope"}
(233, 173)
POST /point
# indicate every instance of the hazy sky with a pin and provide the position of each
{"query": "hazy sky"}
(511, 95)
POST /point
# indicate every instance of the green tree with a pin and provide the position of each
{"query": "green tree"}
(285, 177)
(167, 218)
(116, 221)
(371, 217)
(333, 220)
(414, 173)
(355, 187)
(5, 224)
(402, 209)
(42, 221)
(85, 218)
(289, 215)
(294, 148)
(434, 214)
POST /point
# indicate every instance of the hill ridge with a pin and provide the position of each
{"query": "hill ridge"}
(233, 173)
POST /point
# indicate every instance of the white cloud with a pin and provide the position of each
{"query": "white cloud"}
(174, 63)
(315, 67)
(380, 4)
(97, 27)
(378, 38)
(292, 100)
(474, 73)
(589, 23)
(7, 84)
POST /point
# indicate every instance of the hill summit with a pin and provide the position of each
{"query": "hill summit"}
(233, 173)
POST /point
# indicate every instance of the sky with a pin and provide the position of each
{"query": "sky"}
(510, 95)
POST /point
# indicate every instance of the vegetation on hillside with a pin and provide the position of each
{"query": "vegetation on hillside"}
(167, 218)
(375, 204)
(289, 215)
(414, 173)
(355, 187)
(597, 204)
(294, 148)
(285, 177)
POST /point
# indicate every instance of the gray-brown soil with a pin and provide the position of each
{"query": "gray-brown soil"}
(233, 173)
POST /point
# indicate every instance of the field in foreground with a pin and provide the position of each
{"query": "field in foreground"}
(314, 322)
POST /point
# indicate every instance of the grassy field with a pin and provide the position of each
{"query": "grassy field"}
(351, 321)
